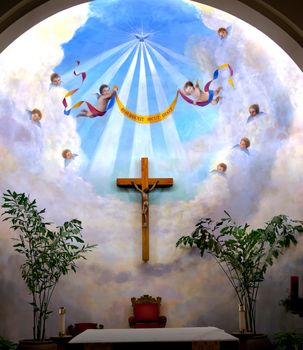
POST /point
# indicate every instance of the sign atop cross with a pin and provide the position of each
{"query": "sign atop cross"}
(145, 185)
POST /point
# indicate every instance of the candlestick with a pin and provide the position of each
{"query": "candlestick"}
(62, 313)
(294, 287)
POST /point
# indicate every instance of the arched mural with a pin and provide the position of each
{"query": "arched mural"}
(211, 101)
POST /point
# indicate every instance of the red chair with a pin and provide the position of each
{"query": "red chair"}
(146, 313)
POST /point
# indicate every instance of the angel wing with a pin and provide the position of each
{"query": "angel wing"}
(68, 161)
(96, 94)
(229, 31)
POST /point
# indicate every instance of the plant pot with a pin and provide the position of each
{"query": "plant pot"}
(250, 341)
(259, 342)
(36, 345)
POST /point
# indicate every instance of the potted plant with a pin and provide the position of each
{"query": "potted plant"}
(244, 254)
(288, 341)
(6, 344)
(48, 252)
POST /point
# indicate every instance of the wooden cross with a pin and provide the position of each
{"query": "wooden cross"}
(145, 185)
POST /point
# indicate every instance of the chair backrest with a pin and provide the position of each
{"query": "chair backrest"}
(146, 299)
(146, 308)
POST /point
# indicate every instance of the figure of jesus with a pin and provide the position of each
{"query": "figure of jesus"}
(145, 202)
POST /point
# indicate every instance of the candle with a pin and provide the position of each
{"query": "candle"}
(294, 287)
(242, 323)
(62, 312)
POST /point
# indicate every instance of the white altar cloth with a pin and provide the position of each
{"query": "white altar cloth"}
(131, 335)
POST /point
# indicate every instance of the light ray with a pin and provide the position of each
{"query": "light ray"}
(178, 78)
(174, 73)
(173, 54)
(107, 149)
(107, 76)
(87, 65)
(142, 144)
(170, 132)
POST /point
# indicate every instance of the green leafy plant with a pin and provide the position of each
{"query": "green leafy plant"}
(6, 344)
(288, 341)
(244, 254)
(48, 254)
(294, 306)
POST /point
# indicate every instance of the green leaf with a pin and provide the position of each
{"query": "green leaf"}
(242, 253)
(48, 254)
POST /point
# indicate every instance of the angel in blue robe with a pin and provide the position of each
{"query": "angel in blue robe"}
(254, 112)
(35, 116)
(55, 79)
(68, 157)
(224, 32)
(220, 170)
(243, 145)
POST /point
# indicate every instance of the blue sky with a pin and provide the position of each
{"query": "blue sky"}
(100, 45)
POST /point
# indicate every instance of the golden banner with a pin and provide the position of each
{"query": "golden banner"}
(147, 119)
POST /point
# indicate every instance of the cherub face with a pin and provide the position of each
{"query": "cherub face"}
(56, 81)
(222, 33)
(36, 117)
(68, 155)
(106, 91)
(252, 112)
(243, 144)
(188, 90)
(220, 169)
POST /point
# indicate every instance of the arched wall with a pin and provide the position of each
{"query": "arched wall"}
(115, 272)
(26, 14)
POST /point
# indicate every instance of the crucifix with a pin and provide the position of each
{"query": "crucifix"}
(145, 185)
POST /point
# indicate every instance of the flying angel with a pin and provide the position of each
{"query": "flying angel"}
(225, 32)
(68, 157)
(35, 116)
(254, 113)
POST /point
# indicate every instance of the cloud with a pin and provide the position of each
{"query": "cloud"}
(26, 86)
(254, 187)
(215, 18)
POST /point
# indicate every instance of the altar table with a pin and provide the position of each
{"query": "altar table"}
(192, 338)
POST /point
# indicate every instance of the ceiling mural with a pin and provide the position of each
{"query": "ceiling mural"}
(210, 100)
